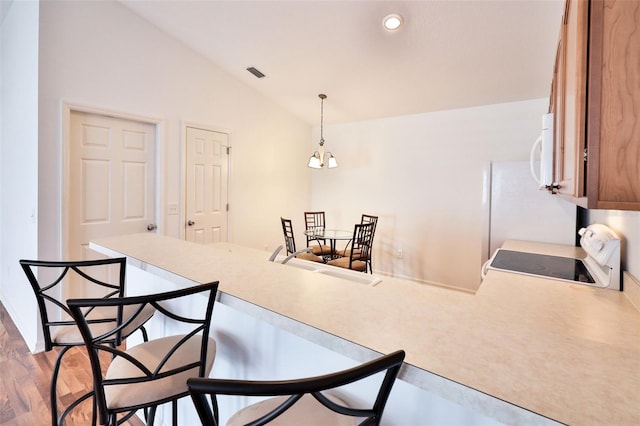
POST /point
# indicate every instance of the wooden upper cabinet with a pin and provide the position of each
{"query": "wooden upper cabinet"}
(571, 95)
(596, 103)
(613, 129)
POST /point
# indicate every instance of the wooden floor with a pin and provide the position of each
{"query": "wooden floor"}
(24, 381)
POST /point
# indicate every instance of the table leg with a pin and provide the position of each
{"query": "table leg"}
(332, 247)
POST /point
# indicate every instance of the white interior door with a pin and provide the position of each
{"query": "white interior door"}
(111, 179)
(206, 189)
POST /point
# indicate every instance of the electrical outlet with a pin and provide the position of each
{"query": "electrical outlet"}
(399, 253)
(172, 209)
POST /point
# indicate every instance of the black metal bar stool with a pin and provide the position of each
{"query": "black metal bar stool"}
(52, 282)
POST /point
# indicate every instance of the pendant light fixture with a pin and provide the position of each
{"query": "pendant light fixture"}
(320, 158)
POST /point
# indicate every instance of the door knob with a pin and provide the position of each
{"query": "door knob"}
(191, 223)
(151, 227)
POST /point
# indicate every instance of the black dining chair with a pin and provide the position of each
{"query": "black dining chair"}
(290, 242)
(52, 282)
(154, 372)
(311, 401)
(314, 221)
(365, 218)
(359, 248)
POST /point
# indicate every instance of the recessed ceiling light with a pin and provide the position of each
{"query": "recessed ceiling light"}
(392, 22)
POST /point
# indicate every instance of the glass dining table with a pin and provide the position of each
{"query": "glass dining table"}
(332, 235)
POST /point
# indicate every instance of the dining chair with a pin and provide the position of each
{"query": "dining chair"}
(52, 282)
(303, 401)
(154, 372)
(359, 248)
(290, 242)
(365, 218)
(314, 221)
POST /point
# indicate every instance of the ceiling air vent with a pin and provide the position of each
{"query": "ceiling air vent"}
(255, 72)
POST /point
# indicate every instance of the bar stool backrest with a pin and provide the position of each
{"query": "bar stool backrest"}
(299, 400)
(53, 281)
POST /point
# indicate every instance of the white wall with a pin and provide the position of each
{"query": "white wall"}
(102, 55)
(19, 160)
(422, 175)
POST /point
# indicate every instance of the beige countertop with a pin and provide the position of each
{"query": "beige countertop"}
(564, 351)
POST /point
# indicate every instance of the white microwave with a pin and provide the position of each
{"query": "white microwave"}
(541, 158)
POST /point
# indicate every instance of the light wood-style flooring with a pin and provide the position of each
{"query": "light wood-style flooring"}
(24, 381)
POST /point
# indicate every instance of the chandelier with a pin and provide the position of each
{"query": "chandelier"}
(319, 158)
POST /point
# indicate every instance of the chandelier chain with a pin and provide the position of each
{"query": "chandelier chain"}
(322, 98)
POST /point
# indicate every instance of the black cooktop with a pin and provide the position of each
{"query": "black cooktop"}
(564, 268)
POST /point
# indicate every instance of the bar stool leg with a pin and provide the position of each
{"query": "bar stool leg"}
(54, 385)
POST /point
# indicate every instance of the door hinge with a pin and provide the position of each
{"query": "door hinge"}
(584, 155)
(228, 150)
(227, 206)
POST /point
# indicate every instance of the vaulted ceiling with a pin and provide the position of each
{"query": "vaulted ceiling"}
(448, 53)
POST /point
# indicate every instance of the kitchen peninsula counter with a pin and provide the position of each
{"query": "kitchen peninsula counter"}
(520, 345)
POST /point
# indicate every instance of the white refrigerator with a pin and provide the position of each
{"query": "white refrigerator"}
(513, 208)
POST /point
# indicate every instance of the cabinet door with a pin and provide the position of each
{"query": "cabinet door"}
(614, 104)
(572, 91)
(556, 106)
